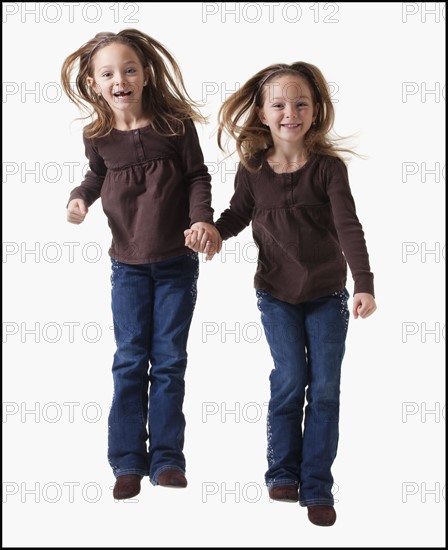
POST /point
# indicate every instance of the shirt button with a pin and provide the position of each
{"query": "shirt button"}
(136, 132)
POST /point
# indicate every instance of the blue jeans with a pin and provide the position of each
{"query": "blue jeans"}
(307, 343)
(152, 306)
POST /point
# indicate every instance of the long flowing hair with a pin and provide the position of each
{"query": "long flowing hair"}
(238, 115)
(165, 99)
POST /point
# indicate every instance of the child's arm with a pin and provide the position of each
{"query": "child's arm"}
(239, 214)
(351, 238)
(203, 232)
(233, 220)
(196, 176)
(89, 191)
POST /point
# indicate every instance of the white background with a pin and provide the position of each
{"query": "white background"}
(386, 64)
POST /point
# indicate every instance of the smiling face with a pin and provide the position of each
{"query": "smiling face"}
(288, 109)
(119, 77)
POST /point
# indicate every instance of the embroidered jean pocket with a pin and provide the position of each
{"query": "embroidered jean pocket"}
(261, 295)
(116, 266)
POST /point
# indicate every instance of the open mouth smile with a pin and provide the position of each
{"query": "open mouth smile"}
(122, 94)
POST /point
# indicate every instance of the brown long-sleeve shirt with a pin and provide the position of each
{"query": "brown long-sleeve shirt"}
(305, 226)
(152, 188)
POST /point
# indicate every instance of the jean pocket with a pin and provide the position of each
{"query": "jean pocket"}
(261, 295)
(342, 297)
(116, 266)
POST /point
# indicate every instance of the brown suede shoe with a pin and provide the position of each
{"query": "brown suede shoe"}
(284, 493)
(127, 486)
(322, 515)
(172, 478)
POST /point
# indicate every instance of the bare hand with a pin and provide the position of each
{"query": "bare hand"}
(203, 237)
(76, 211)
(363, 305)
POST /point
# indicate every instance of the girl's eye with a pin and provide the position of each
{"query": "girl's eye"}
(276, 105)
(106, 75)
(301, 104)
(130, 70)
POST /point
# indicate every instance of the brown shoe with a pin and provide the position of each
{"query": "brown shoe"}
(127, 486)
(172, 478)
(284, 493)
(322, 515)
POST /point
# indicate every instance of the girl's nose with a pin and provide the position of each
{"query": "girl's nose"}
(119, 80)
